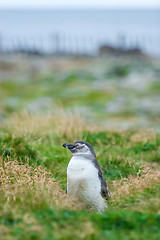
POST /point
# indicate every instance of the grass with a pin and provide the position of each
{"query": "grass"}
(110, 103)
(33, 203)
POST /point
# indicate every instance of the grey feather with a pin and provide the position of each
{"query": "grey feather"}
(104, 188)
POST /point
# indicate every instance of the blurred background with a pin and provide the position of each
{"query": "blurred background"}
(99, 59)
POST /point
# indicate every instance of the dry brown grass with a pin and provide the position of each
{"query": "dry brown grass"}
(69, 124)
(31, 187)
(143, 136)
(138, 193)
(25, 187)
(64, 123)
(18, 180)
(146, 178)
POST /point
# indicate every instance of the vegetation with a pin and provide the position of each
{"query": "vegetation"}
(33, 203)
(114, 105)
(119, 92)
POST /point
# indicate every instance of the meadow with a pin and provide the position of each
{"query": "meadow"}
(113, 105)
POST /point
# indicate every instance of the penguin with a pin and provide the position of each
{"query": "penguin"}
(85, 179)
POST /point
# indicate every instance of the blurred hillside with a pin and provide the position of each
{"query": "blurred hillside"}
(119, 92)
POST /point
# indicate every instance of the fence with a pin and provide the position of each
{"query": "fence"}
(60, 44)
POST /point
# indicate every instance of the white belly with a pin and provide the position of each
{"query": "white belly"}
(83, 182)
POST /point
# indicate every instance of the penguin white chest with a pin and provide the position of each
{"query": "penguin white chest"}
(81, 170)
(83, 181)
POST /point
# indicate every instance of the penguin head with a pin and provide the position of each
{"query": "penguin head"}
(80, 148)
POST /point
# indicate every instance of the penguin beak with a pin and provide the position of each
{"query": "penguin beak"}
(69, 146)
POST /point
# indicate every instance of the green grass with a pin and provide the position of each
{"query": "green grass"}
(33, 212)
(33, 163)
(117, 154)
(67, 224)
